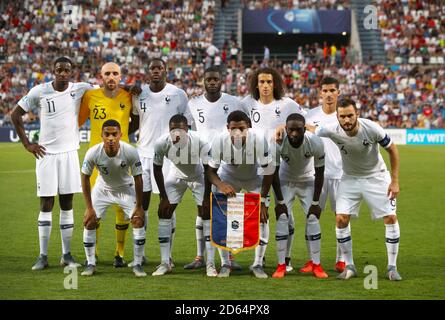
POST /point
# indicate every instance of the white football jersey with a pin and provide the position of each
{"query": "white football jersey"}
(58, 112)
(268, 117)
(114, 173)
(211, 117)
(333, 167)
(246, 163)
(186, 159)
(155, 110)
(360, 154)
(298, 164)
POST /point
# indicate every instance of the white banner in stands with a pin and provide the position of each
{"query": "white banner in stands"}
(398, 136)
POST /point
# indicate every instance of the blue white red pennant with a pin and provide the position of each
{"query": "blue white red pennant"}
(235, 221)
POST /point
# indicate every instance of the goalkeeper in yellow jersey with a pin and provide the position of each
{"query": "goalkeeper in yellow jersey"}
(109, 102)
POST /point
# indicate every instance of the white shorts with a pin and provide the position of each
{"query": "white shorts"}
(58, 174)
(148, 178)
(374, 190)
(102, 199)
(176, 187)
(330, 189)
(304, 191)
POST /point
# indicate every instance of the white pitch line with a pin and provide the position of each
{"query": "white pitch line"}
(17, 171)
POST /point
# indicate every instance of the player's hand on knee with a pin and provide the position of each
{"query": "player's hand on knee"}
(36, 149)
(393, 190)
(90, 219)
(226, 189)
(315, 210)
(137, 218)
(164, 208)
(280, 209)
(264, 214)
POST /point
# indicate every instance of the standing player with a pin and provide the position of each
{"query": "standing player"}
(269, 109)
(323, 116)
(57, 164)
(187, 153)
(210, 112)
(157, 103)
(365, 176)
(302, 155)
(243, 155)
(114, 159)
(100, 105)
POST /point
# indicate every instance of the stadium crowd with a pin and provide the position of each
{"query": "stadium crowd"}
(401, 95)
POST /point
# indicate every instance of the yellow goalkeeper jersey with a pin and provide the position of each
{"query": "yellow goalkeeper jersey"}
(99, 108)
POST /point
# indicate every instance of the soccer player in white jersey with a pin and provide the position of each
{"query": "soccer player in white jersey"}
(57, 162)
(114, 159)
(300, 176)
(243, 155)
(210, 112)
(269, 109)
(187, 152)
(323, 115)
(365, 176)
(156, 104)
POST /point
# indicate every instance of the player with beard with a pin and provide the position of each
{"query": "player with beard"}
(365, 176)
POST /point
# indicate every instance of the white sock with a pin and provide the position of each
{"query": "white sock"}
(138, 246)
(345, 241)
(260, 250)
(200, 241)
(173, 230)
(224, 255)
(66, 229)
(313, 238)
(281, 236)
(209, 248)
(146, 220)
(290, 240)
(44, 223)
(89, 243)
(339, 256)
(164, 233)
(392, 236)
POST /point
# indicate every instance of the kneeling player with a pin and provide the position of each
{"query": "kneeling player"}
(113, 159)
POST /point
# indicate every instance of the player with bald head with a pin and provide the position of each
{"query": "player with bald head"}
(110, 101)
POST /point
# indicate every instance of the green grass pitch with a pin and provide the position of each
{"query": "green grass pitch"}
(421, 259)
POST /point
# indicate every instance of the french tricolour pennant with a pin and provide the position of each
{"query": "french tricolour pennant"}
(235, 221)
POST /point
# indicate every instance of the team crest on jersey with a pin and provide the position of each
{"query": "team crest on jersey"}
(73, 94)
(277, 112)
(366, 143)
(226, 109)
(123, 164)
(122, 106)
(307, 155)
(167, 99)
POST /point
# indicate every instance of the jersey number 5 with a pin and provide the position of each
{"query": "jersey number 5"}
(101, 115)
(201, 117)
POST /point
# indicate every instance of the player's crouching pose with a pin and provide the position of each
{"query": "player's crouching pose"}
(113, 159)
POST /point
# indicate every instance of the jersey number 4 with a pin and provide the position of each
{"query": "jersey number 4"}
(99, 115)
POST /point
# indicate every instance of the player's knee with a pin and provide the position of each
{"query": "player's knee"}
(342, 220)
(46, 204)
(66, 201)
(91, 225)
(392, 219)
(137, 222)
